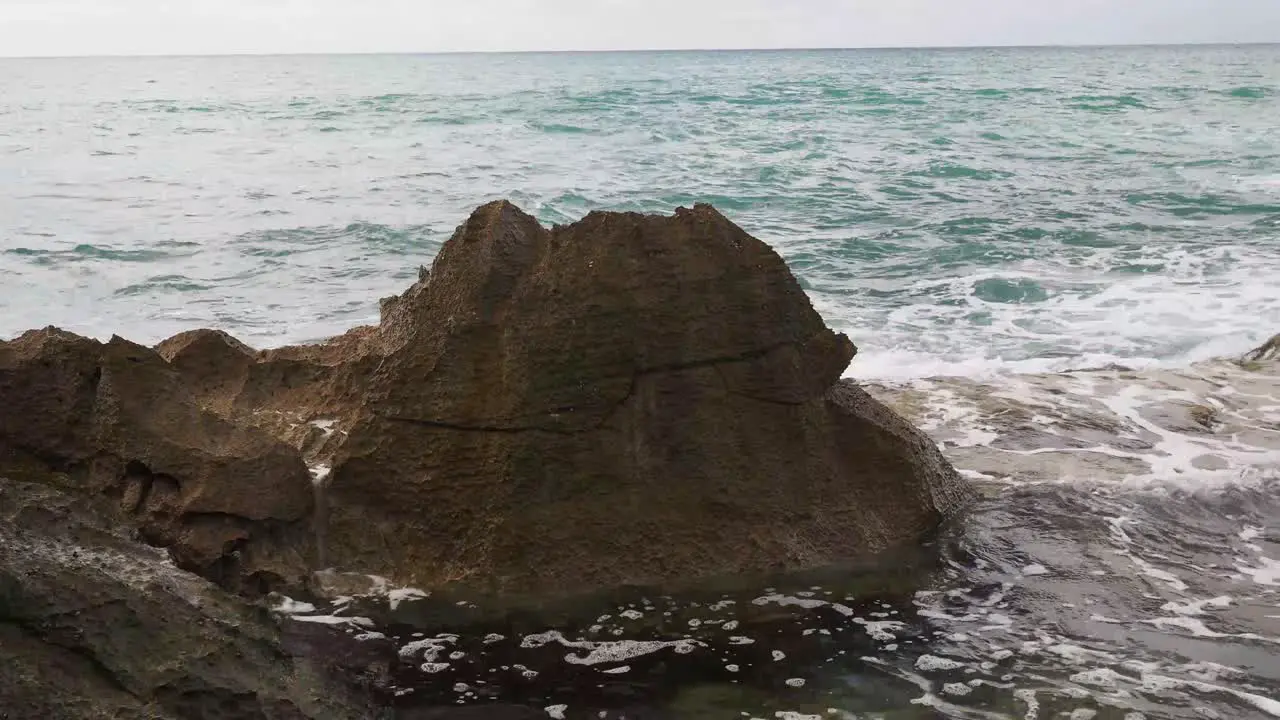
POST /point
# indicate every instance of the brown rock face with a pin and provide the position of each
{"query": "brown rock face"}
(627, 400)
(116, 419)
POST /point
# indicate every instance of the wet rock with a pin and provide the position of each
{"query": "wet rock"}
(1267, 352)
(230, 501)
(93, 625)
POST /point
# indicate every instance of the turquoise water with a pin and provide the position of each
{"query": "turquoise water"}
(954, 211)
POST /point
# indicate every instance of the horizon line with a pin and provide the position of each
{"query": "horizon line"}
(383, 53)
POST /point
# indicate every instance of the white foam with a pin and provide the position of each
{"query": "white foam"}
(880, 629)
(1034, 570)
(288, 606)
(1265, 704)
(931, 663)
(400, 595)
(334, 620)
(1266, 573)
(1146, 568)
(1188, 312)
(1099, 677)
(1196, 607)
(1029, 698)
(1198, 629)
(557, 711)
(320, 474)
(598, 652)
(427, 648)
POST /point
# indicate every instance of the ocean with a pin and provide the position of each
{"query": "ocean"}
(1070, 236)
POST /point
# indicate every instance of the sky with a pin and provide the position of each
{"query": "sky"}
(159, 27)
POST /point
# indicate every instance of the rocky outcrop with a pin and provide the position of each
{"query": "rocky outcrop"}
(629, 400)
(230, 501)
(95, 625)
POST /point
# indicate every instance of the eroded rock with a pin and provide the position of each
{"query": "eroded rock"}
(94, 625)
(232, 503)
(628, 400)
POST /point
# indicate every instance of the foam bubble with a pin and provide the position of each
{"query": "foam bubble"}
(930, 663)
(598, 652)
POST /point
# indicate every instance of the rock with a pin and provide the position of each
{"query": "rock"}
(231, 502)
(1269, 351)
(94, 625)
(629, 400)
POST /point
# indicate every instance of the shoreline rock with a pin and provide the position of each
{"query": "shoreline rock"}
(627, 400)
(94, 624)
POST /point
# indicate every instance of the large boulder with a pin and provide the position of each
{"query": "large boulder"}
(632, 399)
(230, 501)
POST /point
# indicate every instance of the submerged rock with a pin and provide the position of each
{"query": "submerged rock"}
(628, 400)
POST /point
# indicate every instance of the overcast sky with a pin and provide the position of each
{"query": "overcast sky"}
(144, 27)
